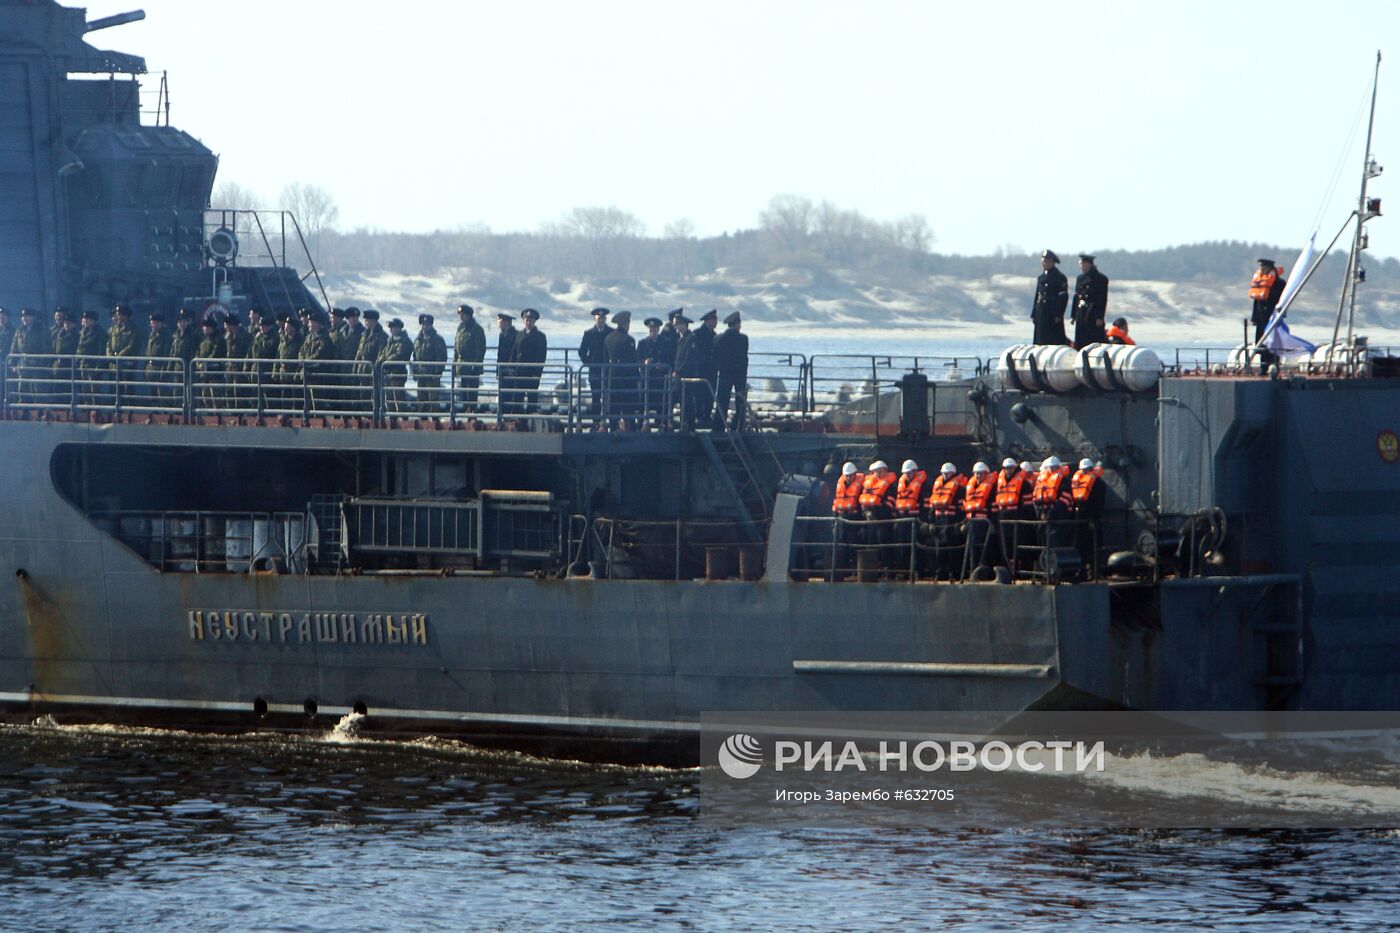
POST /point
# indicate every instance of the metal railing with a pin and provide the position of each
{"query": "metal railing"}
(670, 549)
(212, 542)
(782, 391)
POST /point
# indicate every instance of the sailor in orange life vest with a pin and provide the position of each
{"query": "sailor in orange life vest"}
(845, 504)
(1052, 500)
(1118, 333)
(1087, 491)
(977, 516)
(1265, 290)
(1010, 505)
(944, 506)
(908, 504)
(877, 506)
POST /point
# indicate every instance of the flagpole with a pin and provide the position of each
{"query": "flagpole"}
(1358, 241)
(1317, 264)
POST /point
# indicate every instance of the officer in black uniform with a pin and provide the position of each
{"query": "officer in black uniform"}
(732, 373)
(527, 359)
(655, 370)
(1051, 299)
(623, 377)
(1090, 304)
(695, 367)
(592, 353)
(507, 399)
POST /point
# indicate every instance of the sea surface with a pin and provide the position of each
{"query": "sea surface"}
(106, 828)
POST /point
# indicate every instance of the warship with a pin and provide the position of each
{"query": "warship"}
(479, 552)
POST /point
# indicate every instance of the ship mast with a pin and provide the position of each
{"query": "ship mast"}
(1365, 210)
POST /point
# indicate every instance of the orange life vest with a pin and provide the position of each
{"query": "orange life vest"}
(906, 499)
(848, 494)
(1263, 284)
(1082, 484)
(946, 494)
(1117, 335)
(979, 495)
(1010, 492)
(878, 491)
(1050, 488)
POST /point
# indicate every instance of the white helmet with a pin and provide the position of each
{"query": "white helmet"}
(879, 465)
(1008, 462)
(848, 469)
(1026, 465)
(1086, 464)
(980, 467)
(948, 469)
(1051, 463)
(909, 467)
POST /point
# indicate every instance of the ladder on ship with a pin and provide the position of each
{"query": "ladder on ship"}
(751, 478)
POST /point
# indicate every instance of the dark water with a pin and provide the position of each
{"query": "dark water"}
(119, 829)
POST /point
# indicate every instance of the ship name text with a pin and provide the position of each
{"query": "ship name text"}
(305, 628)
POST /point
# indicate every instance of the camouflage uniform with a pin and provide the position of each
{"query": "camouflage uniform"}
(469, 349)
(237, 345)
(316, 348)
(431, 349)
(211, 347)
(397, 349)
(94, 374)
(371, 344)
(65, 344)
(287, 372)
(33, 339)
(261, 350)
(158, 347)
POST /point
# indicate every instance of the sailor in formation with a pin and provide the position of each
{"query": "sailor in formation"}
(593, 356)
(1051, 299)
(527, 360)
(623, 376)
(1090, 303)
(430, 357)
(468, 351)
(656, 370)
(393, 363)
(731, 373)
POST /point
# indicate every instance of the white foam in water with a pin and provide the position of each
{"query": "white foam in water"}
(347, 730)
(1194, 775)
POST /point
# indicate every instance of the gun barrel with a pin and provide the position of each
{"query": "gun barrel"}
(119, 19)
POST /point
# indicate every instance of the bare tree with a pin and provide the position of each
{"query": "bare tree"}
(230, 195)
(681, 229)
(788, 219)
(603, 223)
(314, 208)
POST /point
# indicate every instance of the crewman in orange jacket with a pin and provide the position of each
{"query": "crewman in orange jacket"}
(845, 504)
(908, 506)
(877, 506)
(1012, 506)
(1118, 333)
(1087, 493)
(944, 505)
(978, 501)
(1053, 500)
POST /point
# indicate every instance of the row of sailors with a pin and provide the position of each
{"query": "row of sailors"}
(967, 522)
(1014, 490)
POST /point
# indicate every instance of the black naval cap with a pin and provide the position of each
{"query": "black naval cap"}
(395, 324)
(184, 315)
(711, 314)
(530, 314)
(233, 318)
(1267, 262)
(123, 310)
(1086, 257)
(622, 317)
(209, 322)
(157, 316)
(732, 318)
(503, 316)
(681, 319)
(652, 322)
(1050, 255)
(675, 313)
(468, 310)
(425, 319)
(26, 311)
(597, 311)
(86, 315)
(371, 314)
(335, 312)
(352, 312)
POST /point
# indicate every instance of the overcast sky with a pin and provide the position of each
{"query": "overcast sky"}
(1073, 126)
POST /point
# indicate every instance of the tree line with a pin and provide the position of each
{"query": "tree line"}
(608, 242)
